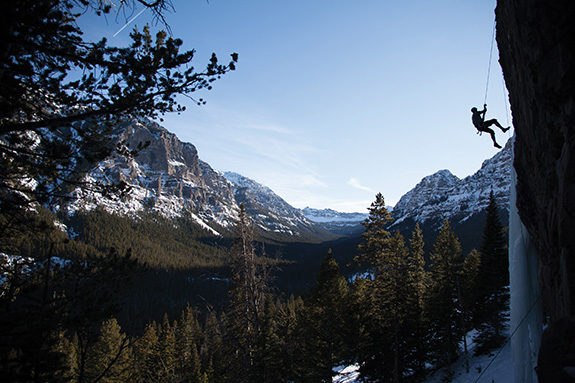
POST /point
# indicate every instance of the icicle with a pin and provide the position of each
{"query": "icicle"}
(526, 310)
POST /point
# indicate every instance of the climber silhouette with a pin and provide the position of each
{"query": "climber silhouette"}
(478, 119)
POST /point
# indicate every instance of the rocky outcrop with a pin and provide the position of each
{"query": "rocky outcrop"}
(166, 176)
(536, 44)
(443, 195)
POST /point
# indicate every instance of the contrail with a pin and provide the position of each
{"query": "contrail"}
(129, 21)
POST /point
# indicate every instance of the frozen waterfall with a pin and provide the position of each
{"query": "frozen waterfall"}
(526, 312)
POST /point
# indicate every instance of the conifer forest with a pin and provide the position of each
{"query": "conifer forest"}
(148, 298)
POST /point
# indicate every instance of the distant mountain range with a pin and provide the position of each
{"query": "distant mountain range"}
(347, 224)
(442, 196)
(168, 177)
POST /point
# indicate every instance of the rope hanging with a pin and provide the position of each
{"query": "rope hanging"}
(510, 336)
(489, 67)
(505, 96)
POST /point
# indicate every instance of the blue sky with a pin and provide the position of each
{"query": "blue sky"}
(334, 101)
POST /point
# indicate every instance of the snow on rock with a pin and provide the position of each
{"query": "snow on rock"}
(278, 216)
(11, 265)
(167, 177)
(204, 225)
(332, 216)
(346, 374)
(443, 195)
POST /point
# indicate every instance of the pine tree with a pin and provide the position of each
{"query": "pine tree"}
(213, 351)
(443, 308)
(493, 277)
(247, 299)
(268, 361)
(418, 279)
(469, 284)
(289, 331)
(166, 352)
(324, 323)
(188, 334)
(109, 357)
(384, 354)
(418, 274)
(146, 362)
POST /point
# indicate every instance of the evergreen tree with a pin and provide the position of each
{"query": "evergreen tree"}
(188, 334)
(418, 279)
(443, 308)
(324, 323)
(109, 358)
(166, 352)
(268, 363)
(469, 284)
(289, 331)
(493, 276)
(247, 299)
(418, 274)
(146, 361)
(55, 299)
(384, 352)
(214, 355)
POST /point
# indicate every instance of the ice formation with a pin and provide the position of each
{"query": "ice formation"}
(526, 312)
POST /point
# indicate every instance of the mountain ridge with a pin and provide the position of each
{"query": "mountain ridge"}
(168, 177)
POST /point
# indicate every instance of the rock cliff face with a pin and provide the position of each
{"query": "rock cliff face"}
(167, 177)
(536, 40)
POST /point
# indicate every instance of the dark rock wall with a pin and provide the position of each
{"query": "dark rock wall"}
(536, 40)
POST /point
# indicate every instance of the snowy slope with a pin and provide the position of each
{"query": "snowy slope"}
(332, 216)
(168, 177)
(348, 224)
(269, 210)
(496, 367)
(443, 196)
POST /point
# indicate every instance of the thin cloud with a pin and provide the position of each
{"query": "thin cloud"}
(354, 182)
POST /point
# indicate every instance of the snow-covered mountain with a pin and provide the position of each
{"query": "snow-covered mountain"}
(269, 210)
(335, 221)
(332, 216)
(167, 177)
(442, 196)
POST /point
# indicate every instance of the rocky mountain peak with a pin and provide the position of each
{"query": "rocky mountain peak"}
(442, 195)
(430, 188)
(168, 177)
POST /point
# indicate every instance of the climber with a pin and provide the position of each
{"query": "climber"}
(478, 118)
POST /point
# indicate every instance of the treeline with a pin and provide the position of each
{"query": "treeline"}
(159, 242)
(398, 322)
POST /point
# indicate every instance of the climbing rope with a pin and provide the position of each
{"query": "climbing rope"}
(490, 59)
(505, 96)
(509, 339)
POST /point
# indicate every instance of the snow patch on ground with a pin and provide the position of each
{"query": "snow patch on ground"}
(346, 374)
(496, 367)
(204, 225)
